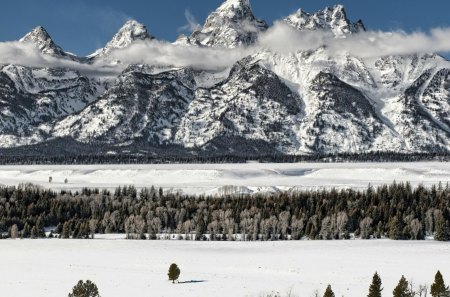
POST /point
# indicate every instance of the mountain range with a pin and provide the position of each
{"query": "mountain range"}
(310, 101)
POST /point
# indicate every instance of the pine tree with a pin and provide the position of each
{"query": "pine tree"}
(442, 231)
(85, 289)
(402, 289)
(328, 292)
(26, 231)
(375, 288)
(395, 229)
(34, 232)
(174, 273)
(438, 288)
(66, 230)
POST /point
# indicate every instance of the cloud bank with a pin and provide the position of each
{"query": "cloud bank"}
(26, 54)
(280, 38)
(285, 39)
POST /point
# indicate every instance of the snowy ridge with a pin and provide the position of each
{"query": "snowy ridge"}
(332, 19)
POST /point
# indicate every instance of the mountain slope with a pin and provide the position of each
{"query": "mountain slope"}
(34, 96)
(252, 103)
(138, 106)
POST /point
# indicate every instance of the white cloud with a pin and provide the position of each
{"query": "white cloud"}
(284, 38)
(26, 54)
(280, 38)
(192, 24)
(163, 53)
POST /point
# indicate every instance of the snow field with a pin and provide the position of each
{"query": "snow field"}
(217, 178)
(50, 268)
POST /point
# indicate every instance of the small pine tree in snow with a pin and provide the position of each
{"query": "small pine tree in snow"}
(375, 288)
(85, 289)
(174, 273)
(402, 289)
(438, 288)
(329, 292)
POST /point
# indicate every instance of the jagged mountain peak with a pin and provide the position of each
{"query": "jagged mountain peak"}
(332, 19)
(43, 41)
(235, 7)
(131, 31)
(39, 33)
(231, 25)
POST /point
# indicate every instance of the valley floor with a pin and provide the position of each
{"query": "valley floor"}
(217, 178)
(50, 268)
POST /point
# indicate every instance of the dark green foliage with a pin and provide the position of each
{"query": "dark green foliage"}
(442, 231)
(402, 289)
(438, 288)
(328, 292)
(375, 288)
(174, 272)
(66, 230)
(85, 289)
(59, 154)
(395, 229)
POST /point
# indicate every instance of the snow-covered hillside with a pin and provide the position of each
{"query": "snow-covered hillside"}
(221, 269)
(269, 98)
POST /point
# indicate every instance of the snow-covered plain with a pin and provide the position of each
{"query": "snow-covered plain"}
(50, 268)
(215, 178)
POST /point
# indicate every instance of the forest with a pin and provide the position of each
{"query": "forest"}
(26, 157)
(397, 211)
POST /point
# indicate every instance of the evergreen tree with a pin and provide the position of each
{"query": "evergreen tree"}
(85, 289)
(438, 288)
(174, 273)
(395, 229)
(328, 292)
(402, 289)
(66, 230)
(34, 232)
(375, 288)
(442, 230)
(26, 231)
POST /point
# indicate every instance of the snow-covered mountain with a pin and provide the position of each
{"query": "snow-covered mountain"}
(332, 19)
(130, 32)
(40, 38)
(301, 102)
(231, 25)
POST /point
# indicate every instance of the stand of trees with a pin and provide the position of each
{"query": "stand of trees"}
(397, 211)
(32, 158)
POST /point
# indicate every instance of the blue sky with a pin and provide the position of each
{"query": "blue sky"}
(84, 25)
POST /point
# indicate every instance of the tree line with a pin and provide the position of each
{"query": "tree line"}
(113, 157)
(397, 211)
